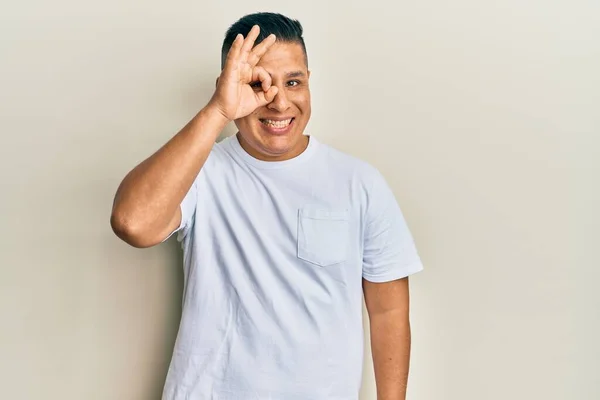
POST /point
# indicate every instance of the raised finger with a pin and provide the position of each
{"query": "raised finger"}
(261, 49)
(234, 50)
(250, 39)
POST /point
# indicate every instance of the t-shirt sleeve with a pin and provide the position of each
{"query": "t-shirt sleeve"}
(188, 209)
(389, 251)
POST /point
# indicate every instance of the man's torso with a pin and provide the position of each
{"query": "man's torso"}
(272, 304)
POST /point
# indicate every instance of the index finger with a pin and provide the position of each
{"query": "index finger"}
(261, 49)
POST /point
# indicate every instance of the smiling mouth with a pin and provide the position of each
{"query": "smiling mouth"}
(276, 124)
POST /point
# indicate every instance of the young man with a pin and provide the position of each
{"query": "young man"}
(281, 235)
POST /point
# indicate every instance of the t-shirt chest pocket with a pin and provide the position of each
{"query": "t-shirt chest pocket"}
(323, 235)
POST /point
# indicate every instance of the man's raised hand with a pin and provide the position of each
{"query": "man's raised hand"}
(243, 86)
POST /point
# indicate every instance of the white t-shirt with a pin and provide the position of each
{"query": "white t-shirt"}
(274, 257)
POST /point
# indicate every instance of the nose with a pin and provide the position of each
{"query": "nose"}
(280, 102)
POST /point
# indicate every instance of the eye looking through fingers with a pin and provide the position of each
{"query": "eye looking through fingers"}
(262, 78)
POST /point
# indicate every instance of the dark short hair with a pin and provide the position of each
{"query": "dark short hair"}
(286, 29)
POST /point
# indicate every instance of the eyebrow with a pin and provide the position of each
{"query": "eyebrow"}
(295, 74)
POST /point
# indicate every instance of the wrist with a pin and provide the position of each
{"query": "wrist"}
(214, 113)
(212, 118)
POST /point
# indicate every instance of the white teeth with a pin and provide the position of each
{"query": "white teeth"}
(276, 124)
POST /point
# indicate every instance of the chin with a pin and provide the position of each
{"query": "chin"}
(278, 145)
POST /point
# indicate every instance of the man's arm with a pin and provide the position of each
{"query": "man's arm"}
(388, 308)
(146, 207)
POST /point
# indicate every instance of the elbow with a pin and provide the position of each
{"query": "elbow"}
(130, 231)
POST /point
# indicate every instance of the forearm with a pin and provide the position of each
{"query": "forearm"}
(390, 345)
(149, 196)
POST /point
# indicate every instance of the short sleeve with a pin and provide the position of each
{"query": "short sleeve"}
(389, 251)
(188, 209)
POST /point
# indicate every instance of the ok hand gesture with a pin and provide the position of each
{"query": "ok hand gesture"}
(234, 96)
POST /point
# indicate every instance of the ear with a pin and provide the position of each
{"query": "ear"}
(309, 74)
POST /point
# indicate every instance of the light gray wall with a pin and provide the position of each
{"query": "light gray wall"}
(484, 117)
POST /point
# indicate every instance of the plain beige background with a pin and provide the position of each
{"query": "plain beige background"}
(483, 115)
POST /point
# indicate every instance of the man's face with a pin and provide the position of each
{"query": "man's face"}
(275, 132)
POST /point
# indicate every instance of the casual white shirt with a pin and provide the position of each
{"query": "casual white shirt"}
(274, 257)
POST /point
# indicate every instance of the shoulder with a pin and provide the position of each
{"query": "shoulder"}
(217, 165)
(220, 155)
(351, 167)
